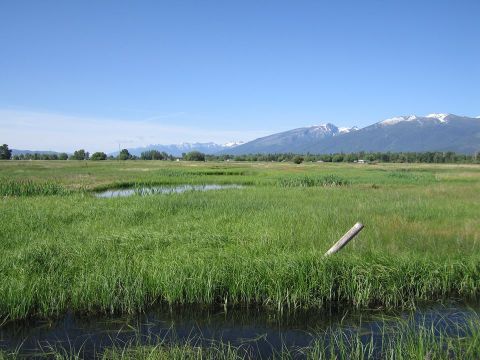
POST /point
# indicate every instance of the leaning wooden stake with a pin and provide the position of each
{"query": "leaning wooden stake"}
(345, 239)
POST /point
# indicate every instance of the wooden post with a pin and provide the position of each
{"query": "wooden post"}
(345, 239)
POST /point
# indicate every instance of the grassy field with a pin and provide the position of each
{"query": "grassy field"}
(63, 249)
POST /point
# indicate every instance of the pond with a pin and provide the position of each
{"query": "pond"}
(151, 190)
(255, 330)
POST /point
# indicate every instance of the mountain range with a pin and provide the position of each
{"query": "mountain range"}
(209, 148)
(31, 152)
(411, 133)
(433, 132)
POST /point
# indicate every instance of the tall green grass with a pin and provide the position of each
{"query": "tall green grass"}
(263, 244)
(31, 188)
(405, 339)
(309, 181)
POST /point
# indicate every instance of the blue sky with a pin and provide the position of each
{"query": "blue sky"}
(95, 73)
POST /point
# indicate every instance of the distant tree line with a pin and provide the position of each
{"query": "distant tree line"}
(395, 157)
(37, 156)
(437, 157)
(81, 154)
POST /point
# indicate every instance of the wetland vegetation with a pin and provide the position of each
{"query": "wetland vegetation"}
(64, 250)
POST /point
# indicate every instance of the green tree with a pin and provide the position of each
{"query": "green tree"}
(98, 156)
(194, 156)
(62, 156)
(79, 155)
(124, 155)
(5, 152)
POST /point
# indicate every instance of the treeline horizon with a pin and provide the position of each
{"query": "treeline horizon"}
(124, 154)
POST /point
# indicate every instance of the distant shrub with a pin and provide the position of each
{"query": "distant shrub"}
(310, 181)
(30, 188)
(298, 159)
(98, 156)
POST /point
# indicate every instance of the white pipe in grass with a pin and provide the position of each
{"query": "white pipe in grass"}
(345, 239)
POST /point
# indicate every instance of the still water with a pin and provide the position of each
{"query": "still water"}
(258, 332)
(143, 191)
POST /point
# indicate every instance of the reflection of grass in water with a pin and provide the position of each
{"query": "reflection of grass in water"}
(264, 245)
(396, 339)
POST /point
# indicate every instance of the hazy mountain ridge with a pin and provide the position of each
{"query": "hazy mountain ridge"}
(209, 148)
(31, 152)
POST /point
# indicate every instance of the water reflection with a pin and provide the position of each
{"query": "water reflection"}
(260, 332)
(143, 191)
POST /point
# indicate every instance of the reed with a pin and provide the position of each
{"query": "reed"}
(31, 188)
(309, 181)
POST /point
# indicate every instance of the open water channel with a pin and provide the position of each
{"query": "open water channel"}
(256, 331)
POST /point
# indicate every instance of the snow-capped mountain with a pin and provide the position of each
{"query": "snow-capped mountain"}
(438, 118)
(296, 140)
(432, 132)
(179, 149)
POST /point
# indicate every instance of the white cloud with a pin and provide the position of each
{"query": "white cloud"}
(60, 132)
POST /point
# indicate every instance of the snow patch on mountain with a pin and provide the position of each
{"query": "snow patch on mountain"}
(440, 117)
(324, 128)
(231, 144)
(346, 130)
(330, 129)
(398, 119)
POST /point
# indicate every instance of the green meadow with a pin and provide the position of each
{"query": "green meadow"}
(62, 249)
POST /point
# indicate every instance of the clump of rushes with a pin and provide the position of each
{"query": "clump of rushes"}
(219, 351)
(404, 339)
(31, 188)
(310, 181)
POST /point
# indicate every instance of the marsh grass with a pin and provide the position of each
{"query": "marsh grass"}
(261, 246)
(404, 339)
(409, 176)
(31, 188)
(310, 181)
(161, 351)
